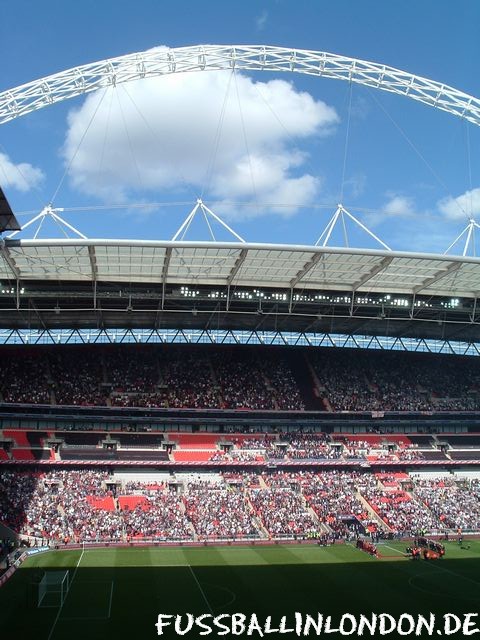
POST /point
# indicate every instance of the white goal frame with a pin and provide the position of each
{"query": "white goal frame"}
(53, 589)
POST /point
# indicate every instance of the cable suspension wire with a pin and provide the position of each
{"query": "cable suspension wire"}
(68, 167)
(254, 188)
(213, 155)
(156, 136)
(140, 205)
(345, 150)
(292, 141)
(125, 205)
(418, 152)
(148, 205)
(469, 165)
(107, 127)
(130, 145)
(184, 203)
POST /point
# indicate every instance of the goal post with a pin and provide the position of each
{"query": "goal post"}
(53, 589)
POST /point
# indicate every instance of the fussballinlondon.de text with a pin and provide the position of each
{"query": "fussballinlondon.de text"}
(251, 625)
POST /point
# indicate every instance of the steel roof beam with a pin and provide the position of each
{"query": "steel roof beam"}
(454, 266)
(236, 267)
(315, 259)
(94, 268)
(372, 273)
(166, 264)
(93, 262)
(9, 260)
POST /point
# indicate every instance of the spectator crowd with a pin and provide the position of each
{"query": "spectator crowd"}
(86, 505)
(240, 377)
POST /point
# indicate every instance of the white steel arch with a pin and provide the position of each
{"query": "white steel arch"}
(67, 84)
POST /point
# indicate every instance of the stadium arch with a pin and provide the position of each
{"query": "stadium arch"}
(160, 61)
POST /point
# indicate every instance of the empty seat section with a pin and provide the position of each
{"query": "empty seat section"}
(195, 440)
(193, 456)
(19, 437)
(22, 454)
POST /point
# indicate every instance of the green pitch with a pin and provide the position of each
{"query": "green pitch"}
(118, 593)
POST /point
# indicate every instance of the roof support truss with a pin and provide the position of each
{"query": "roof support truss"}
(215, 336)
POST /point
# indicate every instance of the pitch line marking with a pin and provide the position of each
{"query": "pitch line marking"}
(201, 589)
(89, 618)
(84, 619)
(226, 590)
(436, 594)
(393, 549)
(458, 575)
(110, 601)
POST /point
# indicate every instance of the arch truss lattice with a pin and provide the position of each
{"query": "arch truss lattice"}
(160, 61)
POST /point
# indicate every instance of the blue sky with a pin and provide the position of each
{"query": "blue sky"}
(282, 139)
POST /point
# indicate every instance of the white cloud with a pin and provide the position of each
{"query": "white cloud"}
(261, 20)
(466, 204)
(356, 184)
(399, 206)
(22, 176)
(157, 135)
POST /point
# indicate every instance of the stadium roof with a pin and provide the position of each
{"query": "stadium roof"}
(166, 284)
(294, 267)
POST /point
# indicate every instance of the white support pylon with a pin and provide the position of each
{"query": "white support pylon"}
(340, 214)
(182, 230)
(48, 212)
(469, 240)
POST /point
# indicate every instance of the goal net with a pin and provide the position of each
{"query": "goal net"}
(52, 589)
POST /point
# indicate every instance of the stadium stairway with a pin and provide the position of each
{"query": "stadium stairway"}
(381, 524)
(413, 497)
(213, 376)
(160, 380)
(4, 455)
(262, 531)
(271, 390)
(105, 383)
(307, 381)
(262, 483)
(322, 526)
(189, 523)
